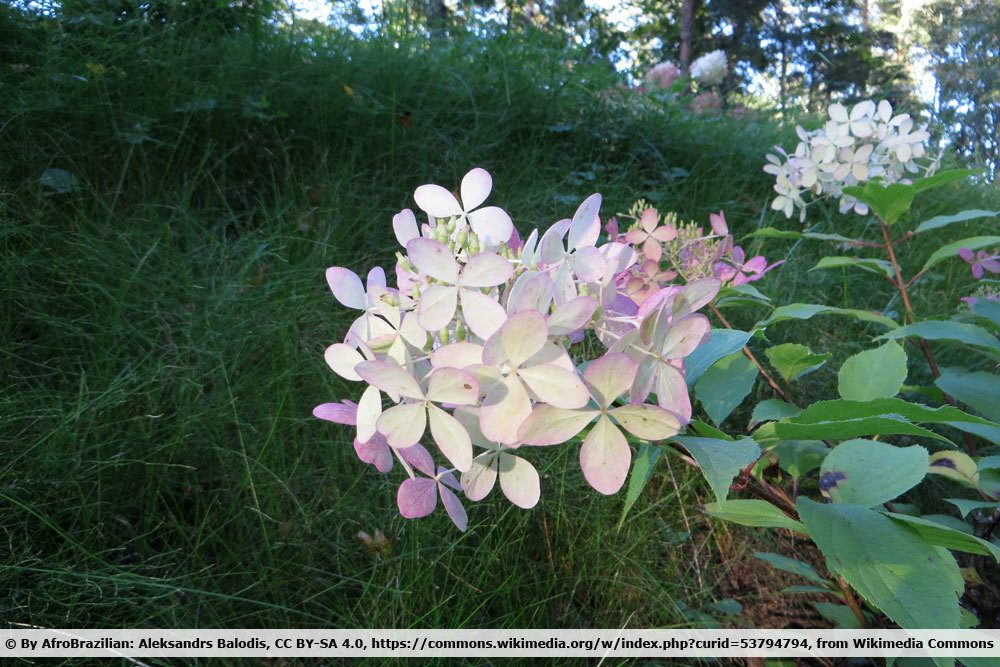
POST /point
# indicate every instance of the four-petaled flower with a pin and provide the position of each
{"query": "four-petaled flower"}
(491, 223)
(980, 261)
(650, 234)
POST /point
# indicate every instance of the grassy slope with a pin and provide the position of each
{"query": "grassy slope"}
(162, 329)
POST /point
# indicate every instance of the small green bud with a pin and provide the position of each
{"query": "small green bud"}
(443, 335)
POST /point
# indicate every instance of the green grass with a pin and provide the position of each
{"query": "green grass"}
(162, 328)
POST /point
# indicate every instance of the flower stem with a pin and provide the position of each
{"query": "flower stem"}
(750, 355)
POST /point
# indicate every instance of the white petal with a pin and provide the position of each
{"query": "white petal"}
(531, 291)
(482, 313)
(342, 359)
(521, 336)
(549, 425)
(451, 438)
(589, 263)
(437, 201)
(437, 307)
(609, 377)
(581, 231)
(457, 355)
(369, 410)
(605, 457)
(434, 259)
(453, 386)
(404, 224)
(492, 225)
(550, 248)
(476, 186)
(505, 407)
(555, 386)
(478, 480)
(838, 113)
(486, 269)
(519, 480)
(389, 378)
(647, 422)
(403, 425)
(572, 316)
(346, 287)
(672, 392)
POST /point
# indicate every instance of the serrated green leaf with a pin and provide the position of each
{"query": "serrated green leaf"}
(721, 343)
(869, 473)
(800, 457)
(772, 409)
(894, 569)
(888, 202)
(720, 460)
(753, 512)
(949, 538)
(879, 266)
(796, 567)
(970, 334)
(943, 220)
(792, 360)
(978, 390)
(805, 311)
(941, 178)
(724, 385)
(951, 250)
(872, 374)
(642, 470)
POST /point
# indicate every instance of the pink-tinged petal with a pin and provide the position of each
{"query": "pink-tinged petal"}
(339, 413)
(486, 376)
(645, 377)
(390, 378)
(437, 307)
(695, 294)
(403, 425)
(503, 410)
(369, 410)
(519, 480)
(532, 291)
(665, 233)
(589, 264)
(342, 359)
(404, 224)
(522, 335)
(990, 264)
(529, 248)
(346, 287)
(453, 506)
(967, 255)
(482, 313)
(452, 386)
(412, 332)
(649, 219)
(555, 386)
(647, 422)
(551, 353)
(479, 479)
(375, 452)
(652, 250)
(491, 224)
(572, 316)
(433, 258)
(437, 201)
(977, 271)
(636, 236)
(514, 242)
(417, 498)
(486, 269)
(586, 226)
(476, 187)
(672, 392)
(611, 228)
(451, 437)
(605, 457)
(549, 425)
(609, 377)
(684, 336)
(457, 355)
(718, 221)
(418, 457)
(376, 279)
(756, 264)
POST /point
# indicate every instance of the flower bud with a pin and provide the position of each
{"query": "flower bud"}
(443, 336)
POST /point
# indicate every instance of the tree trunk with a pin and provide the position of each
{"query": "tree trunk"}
(687, 37)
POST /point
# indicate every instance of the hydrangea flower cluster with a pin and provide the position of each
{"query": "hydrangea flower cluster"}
(667, 250)
(853, 147)
(489, 344)
(710, 69)
(663, 75)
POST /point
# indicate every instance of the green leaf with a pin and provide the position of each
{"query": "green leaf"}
(888, 202)
(839, 614)
(942, 220)
(772, 233)
(869, 473)
(872, 374)
(755, 513)
(873, 265)
(771, 409)
(966, 506)
(642, 470)
(842, 429)
(949, 538)
(954, 465)
(987, 309)
(963, 332)
(980, 391)
(805, 311)
(844, 409)
(720, 460)
(721, 343)
(894, 569)
(724, 385)
(805, 589)
(59, 180)
(796, 567)
(951, 250)
(792, 360)
(800, 457)
(741, 295)
(988, 469)
(941, 178)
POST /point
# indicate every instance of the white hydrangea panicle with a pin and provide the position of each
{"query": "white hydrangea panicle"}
(710, 69)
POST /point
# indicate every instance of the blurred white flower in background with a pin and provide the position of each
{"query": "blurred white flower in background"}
(710, 69)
